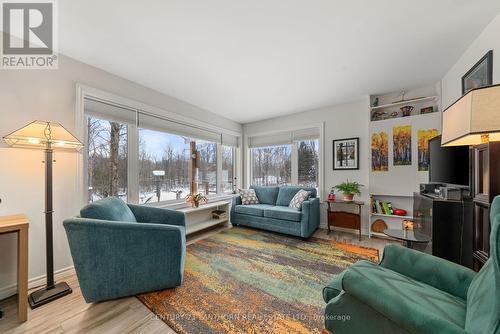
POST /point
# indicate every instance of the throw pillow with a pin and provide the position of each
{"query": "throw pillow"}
(248, 196)
(298, 199)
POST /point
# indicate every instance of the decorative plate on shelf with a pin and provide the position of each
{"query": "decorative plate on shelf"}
(379, 226)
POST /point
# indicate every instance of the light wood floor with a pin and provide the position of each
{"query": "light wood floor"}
(71, 314)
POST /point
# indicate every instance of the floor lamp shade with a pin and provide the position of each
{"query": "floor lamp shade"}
(48, 136)
(473, 119)
(39, 134)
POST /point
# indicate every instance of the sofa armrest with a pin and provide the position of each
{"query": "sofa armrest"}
(334, 288)
(152, 215)
(141, 256)
(235, 201)
(310, 217)
(439, 273)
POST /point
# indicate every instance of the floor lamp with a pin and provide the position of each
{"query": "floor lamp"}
(48, 136)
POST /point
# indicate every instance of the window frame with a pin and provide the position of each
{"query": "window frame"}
(294, 158)
(83, 92)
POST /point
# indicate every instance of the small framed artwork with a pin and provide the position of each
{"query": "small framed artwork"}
(346, 154)
(480, 75)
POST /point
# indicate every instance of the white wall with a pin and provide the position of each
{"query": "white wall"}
(489, 39)
(342, 121)
(27, 95)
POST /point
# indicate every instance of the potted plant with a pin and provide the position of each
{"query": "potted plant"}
(349, 189)
(196, 199)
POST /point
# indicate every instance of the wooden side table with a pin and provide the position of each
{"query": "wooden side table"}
(19, 224)
(343, 218)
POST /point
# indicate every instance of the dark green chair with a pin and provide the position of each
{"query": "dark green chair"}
(122, 249)
(413, 292)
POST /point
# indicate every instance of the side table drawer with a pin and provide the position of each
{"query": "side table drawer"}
(344, 219)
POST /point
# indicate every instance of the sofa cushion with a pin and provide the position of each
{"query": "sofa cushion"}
(414, 305)
(252, 209)
(266, 195)
(483, 296)
(286, 194)
(481, 299)
(110, 208)
(298, 199)
(283, 212)
(248, 196)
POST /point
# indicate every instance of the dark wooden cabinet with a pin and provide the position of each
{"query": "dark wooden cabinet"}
(485, 186)
(448, 224)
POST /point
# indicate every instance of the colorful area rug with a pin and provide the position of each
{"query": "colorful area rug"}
(249, 281)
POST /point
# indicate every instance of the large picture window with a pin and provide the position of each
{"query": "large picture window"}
(107, 159)
(207, 167)
(308, 163)
(144, 158)
(286, 158)
(163, 166)
(272, 165)
(228, 159)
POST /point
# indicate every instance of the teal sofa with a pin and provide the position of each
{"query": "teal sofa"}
(273, 214)
(121, 250)
(413, 292)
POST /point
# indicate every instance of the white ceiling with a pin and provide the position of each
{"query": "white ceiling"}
(254, 59)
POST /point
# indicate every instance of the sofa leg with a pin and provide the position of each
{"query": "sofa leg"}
(304, 238)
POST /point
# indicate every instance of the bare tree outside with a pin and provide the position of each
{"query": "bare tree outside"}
(228, 163)
(308, 163)
(272, 165)
(167, 153)
(107, 165)
(207, 168)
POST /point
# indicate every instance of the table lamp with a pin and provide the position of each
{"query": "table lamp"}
(473, 119)
(47, 136)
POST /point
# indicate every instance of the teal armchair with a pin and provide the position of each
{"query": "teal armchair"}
(413, 292)
(121, 250)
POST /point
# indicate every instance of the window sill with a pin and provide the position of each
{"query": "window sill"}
(178, 204)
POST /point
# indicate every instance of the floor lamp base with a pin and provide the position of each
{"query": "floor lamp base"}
(44, 296)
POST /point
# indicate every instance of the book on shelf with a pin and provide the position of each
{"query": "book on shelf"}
(381, 207)
(387, 208)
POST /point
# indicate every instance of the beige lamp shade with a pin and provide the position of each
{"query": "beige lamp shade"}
(43, 135)
(473, 119)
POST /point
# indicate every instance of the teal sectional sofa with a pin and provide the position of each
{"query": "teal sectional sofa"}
(273, 214)
(413, 292)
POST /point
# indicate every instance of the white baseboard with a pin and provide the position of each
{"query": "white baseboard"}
(34, 282)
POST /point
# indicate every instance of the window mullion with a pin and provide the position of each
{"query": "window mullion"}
(133, 164)
(218, 176)
(295, 163)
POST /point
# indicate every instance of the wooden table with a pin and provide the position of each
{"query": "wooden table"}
(343, 218)
(19, 224)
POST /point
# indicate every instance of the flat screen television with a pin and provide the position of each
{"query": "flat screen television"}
(449, 165)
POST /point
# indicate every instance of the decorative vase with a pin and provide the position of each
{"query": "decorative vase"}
(406, 110)
(196, 204)
(348, 197)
